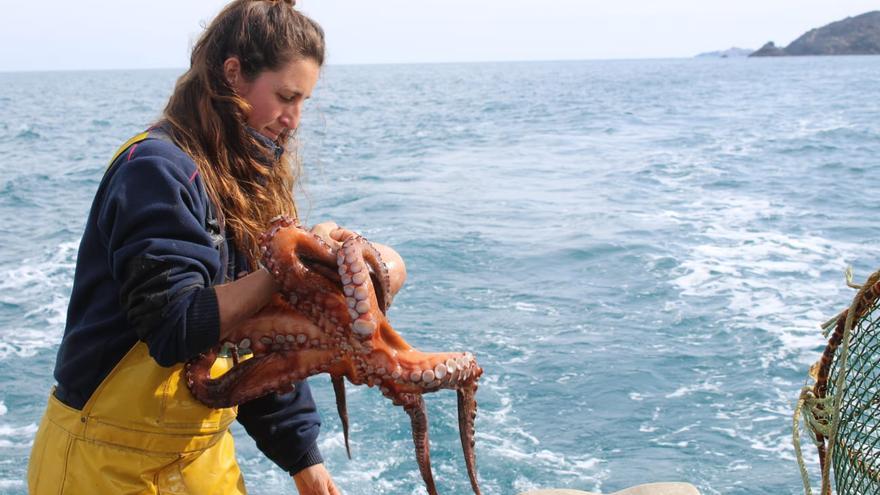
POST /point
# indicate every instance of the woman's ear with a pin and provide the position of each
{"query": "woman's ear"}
(232, 72)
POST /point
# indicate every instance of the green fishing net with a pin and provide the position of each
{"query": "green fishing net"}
(841, 409)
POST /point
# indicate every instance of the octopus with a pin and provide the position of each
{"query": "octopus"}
(330, 317)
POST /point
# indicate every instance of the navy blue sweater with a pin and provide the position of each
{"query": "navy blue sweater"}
(146, 269)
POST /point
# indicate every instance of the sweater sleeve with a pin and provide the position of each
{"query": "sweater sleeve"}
(285, 427)
(152, 220)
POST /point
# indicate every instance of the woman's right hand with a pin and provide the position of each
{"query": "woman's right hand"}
(315, 480)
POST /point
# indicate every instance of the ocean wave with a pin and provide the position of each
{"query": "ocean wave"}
(37, 290)
(771, 279)
(775, 286)
(17, 437)
(9, 484)
(503, 443)
(27, 133)
(686, 390)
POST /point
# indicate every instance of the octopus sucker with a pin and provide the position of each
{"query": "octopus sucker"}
(330, 318)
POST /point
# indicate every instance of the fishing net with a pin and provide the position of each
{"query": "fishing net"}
(841, 410)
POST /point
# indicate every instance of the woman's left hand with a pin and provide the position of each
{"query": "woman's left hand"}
(315, 480)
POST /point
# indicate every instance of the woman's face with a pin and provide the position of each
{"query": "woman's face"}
(276, 97)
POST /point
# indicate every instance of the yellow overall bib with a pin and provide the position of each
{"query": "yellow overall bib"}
(141, 432)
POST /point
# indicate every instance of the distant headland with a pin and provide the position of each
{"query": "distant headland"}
(729, 53)
(859, 35)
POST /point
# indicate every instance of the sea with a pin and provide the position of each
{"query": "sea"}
(638, 252)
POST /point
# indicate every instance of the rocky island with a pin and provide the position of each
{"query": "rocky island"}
(729, 53)
(859, 35)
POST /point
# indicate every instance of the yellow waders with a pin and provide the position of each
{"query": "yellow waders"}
(141, 432)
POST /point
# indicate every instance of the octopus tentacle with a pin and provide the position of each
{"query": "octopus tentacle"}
(198, 374)
(341, 408)
(418, 414)
(467, 414)
(358, 248)
(380, 276)
(361, 296)
(306, 266)
(241, 384)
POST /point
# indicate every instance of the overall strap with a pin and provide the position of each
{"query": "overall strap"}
(212, 222)
(131, 142)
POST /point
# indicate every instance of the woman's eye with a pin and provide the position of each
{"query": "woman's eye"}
(287, 99)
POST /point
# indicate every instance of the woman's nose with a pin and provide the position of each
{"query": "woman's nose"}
(291, 115)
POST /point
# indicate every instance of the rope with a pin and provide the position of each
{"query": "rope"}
(796, 439)
(817, 421)
(838, 393)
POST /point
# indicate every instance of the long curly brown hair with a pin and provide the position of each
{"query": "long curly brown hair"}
(207, 119)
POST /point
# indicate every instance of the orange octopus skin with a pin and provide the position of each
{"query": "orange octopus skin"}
(330, 318)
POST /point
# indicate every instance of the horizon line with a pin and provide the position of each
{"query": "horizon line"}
(464, 62)
(348, 64)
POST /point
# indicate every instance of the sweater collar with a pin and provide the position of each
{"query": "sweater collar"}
(274, 149)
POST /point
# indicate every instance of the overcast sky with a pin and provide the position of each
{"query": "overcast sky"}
(113, 34)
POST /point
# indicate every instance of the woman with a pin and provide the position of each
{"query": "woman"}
(160, 276)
